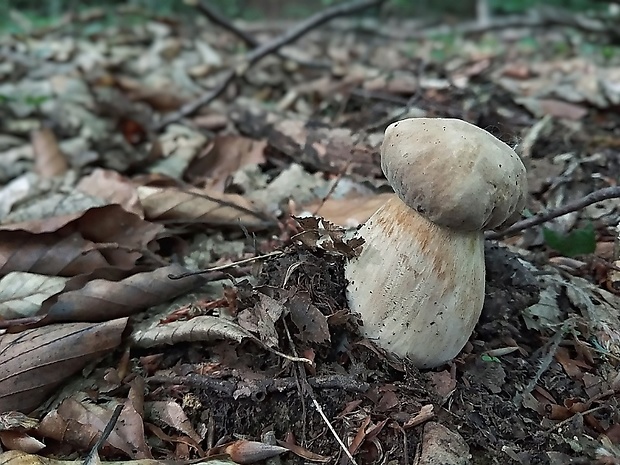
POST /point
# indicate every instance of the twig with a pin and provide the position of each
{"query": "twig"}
(343, 171)
(571, 418)
(220, 20)
(593, 197)
(265, 49)
(104, 434)
(226, 266)
(319, 409)
(552, 347)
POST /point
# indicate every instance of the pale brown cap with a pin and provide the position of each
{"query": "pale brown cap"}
(454, 173)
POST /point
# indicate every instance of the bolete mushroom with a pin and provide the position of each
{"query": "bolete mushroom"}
(418, 283)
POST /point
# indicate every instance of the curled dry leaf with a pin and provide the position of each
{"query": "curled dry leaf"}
(211, 208)
(243, 451)
(201, 328)
(101, 300)
(16, 440)
(21, 294)
(171, 414)
(119, 236)
(50, 254)
(34, 362)
(80, 423)
(110, 223)
(48, 158)
(312, 324)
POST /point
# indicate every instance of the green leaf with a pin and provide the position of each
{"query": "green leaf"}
(487, 358)
(577, 242)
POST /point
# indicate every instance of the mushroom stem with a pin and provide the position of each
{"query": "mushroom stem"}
(418, 286)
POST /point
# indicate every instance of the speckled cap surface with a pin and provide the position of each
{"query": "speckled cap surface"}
(453, 173)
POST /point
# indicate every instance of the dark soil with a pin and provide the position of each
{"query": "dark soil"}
(481, 398)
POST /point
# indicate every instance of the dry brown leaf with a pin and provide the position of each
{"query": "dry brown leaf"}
(223, 157)
(80, 423)
(113, 187)
(49, 254)
(34, 362)
(49, 160)
(101, 299)
(310, 322)
(16, 440)
(171, 414)
(243, 451)
(349, 212)
(199, 329)
(21, 294)
(211, 208)
(120, 237)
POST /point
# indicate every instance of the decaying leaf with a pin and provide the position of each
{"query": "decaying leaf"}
(49, 160)
(80, 423)
(310, 322)
(21, 294)
(171, 414)
(102, 299)
(225, 155)
(318, 232)
(245, 452)
(211, 208)
(34, 362)
(111, 186)
(201, 328)
(52, 254)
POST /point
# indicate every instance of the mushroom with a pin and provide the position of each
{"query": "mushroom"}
(418, 283)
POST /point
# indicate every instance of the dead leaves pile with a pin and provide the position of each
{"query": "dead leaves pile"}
(100, 205)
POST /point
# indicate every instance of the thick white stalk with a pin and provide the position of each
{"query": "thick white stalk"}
(418, 287)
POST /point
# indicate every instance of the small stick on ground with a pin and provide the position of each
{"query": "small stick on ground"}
(226, 266)
(593, 197)
(552, 347)
(267, 48)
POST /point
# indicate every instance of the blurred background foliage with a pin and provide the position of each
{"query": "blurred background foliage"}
(17, 15)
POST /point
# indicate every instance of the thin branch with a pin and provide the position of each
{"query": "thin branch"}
(267, 48)
(226, 266)
(220, 20)
(593, 197)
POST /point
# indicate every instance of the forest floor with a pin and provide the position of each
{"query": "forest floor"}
(130, 155)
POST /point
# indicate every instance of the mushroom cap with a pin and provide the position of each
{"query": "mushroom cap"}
(454, 173)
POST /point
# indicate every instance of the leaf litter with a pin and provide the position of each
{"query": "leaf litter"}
(115, 183)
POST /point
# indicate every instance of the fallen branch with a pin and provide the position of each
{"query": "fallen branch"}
(220, 20)
(267, 48)
(593, 197)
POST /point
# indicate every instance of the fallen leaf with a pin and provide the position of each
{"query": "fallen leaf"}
(210, 208)
(81, 422)
(101, 299)
(310, 322)
(112, 187)
(49, 160)
(21, 294)
(169, 413)
(224, 156)
(34, 362)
